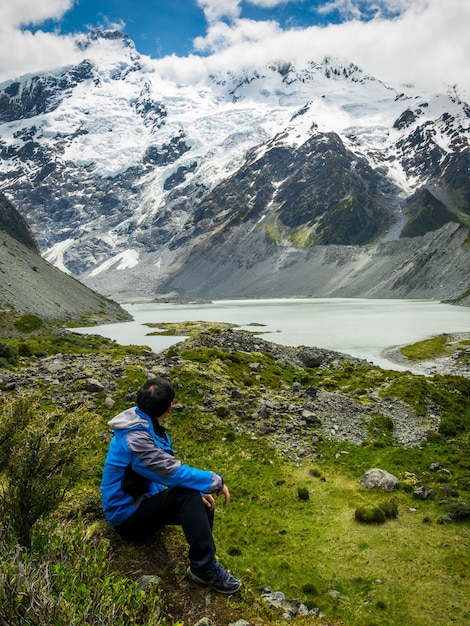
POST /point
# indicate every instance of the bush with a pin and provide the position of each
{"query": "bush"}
(390, 508)
(28, 323)
(447, 428)
(39, 455)
(370, 515)
(24, 349)
(460, 511)
(8, 355)
(310, 588)
(65, 581)
(303, 494)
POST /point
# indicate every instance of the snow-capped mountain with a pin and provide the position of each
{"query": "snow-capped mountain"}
(126, 177)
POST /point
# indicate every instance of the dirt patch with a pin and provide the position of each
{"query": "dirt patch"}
(165, 557)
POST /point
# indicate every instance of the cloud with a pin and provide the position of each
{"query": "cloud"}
(22, 51)
(367, 9)
(270, 4)
(26, 12)
(423, 42)
(217, 9)
(221, 36)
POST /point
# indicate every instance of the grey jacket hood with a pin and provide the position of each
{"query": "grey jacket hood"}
(127, 419)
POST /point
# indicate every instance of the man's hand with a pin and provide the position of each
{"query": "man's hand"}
(209, 501)
(226, 494)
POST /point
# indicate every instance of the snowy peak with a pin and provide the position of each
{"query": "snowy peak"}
(115, 167)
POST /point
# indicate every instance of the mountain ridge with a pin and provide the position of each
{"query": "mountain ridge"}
(122, 172)
(31, 285)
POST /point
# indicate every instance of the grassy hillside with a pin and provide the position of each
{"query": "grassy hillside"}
(291, 525)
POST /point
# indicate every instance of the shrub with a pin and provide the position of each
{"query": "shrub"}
(303, 494)
(390, 508)
(65, 581)
(8, 355)
(230, 435)
(447, 428)
(28, 323)
(370, 515)
(460, 511)
(315, 473)
(39, 455)
(310, 589)
(24, 349)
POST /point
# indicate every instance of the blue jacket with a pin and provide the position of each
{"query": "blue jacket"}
(141, 463)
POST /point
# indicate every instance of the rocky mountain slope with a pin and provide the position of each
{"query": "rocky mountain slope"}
(131, 180)
(29, 284)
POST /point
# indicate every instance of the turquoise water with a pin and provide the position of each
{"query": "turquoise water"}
(359, 327)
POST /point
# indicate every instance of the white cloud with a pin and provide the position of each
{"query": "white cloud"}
(424, 42)
(363, 9)
(270, 4)
(217, 9)
(221, 36)
(24, 12)
(22, 51)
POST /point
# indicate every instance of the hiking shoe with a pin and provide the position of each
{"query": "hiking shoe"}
(216, 577)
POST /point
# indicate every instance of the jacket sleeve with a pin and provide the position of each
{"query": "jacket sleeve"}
(160, 466)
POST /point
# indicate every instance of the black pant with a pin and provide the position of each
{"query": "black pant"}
(181, 507)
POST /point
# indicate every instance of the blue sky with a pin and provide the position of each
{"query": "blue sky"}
(158, 27)
(424, 42)
(163, 27)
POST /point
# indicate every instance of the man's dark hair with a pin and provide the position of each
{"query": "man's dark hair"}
(155, 396)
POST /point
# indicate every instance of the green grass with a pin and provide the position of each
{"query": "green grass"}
(274, 229)
(69, 343)
(409, 570)
(188, 328)
(434, 347)
(270, 537)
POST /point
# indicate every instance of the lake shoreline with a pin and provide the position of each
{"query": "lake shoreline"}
(429, 367)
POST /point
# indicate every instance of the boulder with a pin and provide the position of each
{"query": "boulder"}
(380, 478)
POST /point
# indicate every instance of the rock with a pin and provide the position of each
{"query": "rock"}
(422, 493)
(291, 608)
(204, 621)
(109, 403)
(380, 478)
(313, 357)
(309, 417)
(144, 581)
(94, 386)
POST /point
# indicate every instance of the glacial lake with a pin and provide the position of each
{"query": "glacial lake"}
(360, 327)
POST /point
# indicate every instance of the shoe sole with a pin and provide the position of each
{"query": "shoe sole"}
(196, 579)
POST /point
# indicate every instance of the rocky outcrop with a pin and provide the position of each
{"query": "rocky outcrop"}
(12, 223)
(293, 419)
